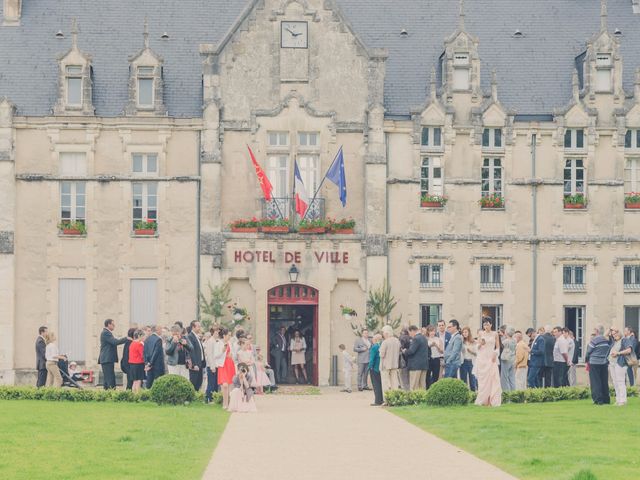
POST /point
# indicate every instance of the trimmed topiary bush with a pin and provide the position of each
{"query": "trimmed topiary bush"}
(172, 390)
(448, 392)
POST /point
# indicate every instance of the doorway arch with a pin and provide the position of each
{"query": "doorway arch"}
(295, 306)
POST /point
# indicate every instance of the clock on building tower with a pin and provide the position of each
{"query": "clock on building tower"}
(294, 34)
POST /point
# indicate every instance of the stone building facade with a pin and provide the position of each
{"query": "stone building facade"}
(155, 124)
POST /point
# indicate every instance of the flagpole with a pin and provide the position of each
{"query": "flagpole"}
(321, 183)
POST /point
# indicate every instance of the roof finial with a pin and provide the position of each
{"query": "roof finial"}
(74, 32)
(433, 83)
(461, 16)
(145, 33)
(494, 85)
(603, 15)
(575, 86)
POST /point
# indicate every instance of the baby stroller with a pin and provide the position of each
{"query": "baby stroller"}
(67, 380)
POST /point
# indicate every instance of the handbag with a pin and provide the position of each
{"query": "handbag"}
(402, 362)
(631, 359)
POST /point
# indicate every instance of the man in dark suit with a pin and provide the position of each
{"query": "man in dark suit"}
(197, 363)
(536, 361)
(417, 359)
(443, 334)
(41, 360)
(109, 353)
(279, 354)
(549, 343)
(153, 355)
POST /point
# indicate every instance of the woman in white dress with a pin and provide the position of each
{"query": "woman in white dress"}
(298, 347)
(487, 373)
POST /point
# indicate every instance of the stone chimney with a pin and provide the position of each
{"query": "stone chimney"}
(11, 12)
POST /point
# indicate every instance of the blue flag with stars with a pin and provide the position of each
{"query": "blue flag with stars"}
(336, 175)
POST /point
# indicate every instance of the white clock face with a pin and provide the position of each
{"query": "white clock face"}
(294, 34)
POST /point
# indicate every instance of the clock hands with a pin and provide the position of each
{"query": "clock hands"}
(293, 34)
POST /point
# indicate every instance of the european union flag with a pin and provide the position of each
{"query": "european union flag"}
(336, 175)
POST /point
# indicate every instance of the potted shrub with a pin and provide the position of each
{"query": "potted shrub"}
(275, 225)
(347, 312)
(433, 201)
(146, 227)
(492, 201)
(632, 200)
(318, 225)
(245, 226)
(343, 227)
(576, 201)
(72, 227)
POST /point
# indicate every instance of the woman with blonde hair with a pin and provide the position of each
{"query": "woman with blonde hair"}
(469, 352)
(52, 355)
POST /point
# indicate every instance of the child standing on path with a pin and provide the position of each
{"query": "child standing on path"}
(347, 367)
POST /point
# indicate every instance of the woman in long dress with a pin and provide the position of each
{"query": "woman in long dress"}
(227, 371)
(298, 346)
(241, 397)
(487, 374)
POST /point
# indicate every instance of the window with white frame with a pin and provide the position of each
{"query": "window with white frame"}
(309, 139)
(73, 84)
(461, 71)
(73, 164)
(278, 139)
(73, 202)
(631, 277)
(431, 137)
(632, 139)
(144, 164)
(430, 314)
(491, 276)
(574, 139)
(573, 277)
(309, 159)
(632, 175)
(492, 138)
(431, 176)
(278, 163)
(145, 202)
(493, 312)
(431, 275)
(604, 72)
(491, 177)
(146, 91)
(574, 178)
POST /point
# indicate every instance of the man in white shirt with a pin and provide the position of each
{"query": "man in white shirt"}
(571, 374)
(212, 369)
(561, 359)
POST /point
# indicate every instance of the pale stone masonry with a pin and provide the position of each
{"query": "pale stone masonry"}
(155, 121)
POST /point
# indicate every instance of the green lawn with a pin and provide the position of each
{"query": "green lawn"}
(541, 440)
(40, 439)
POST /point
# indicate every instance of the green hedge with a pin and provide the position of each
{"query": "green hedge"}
(396, 398)
(172, 390)
(76, 395)
(448, 392)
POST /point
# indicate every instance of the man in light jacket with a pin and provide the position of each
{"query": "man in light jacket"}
(361, 346)
(389, 359)
(452, 357)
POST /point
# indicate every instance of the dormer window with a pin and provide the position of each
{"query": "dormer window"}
(574, 139)
(604, 72)
(461, 69)
(632, 139)
(492, 138)
(431, 137)
(145, 87)
(73, 76)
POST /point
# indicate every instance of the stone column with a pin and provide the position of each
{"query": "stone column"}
(7, 225)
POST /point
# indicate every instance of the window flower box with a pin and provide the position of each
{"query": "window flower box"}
(312, 230)
(494, 201)
(275, 225)
(72, 228)
(145, 228)
(632, 200)
(433, 201)
(245, 226)
(575, 202)
(341, 227)
(312, 226)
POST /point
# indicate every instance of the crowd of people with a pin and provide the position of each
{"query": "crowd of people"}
(226, 361)
(491, 362)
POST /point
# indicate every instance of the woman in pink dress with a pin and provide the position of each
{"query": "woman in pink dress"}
(227, 370)
(487, 374)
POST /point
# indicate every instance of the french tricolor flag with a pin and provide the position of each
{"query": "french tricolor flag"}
(301, 197)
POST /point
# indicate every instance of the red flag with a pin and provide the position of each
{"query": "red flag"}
(263, 180)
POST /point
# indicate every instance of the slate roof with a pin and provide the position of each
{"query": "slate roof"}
(534, 72)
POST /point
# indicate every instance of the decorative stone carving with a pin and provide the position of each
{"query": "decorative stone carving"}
(6, 243)
(376, 245)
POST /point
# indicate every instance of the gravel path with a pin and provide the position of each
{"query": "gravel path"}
(336, 436)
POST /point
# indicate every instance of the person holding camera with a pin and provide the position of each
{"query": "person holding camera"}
(177, 348)
(241, 397)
